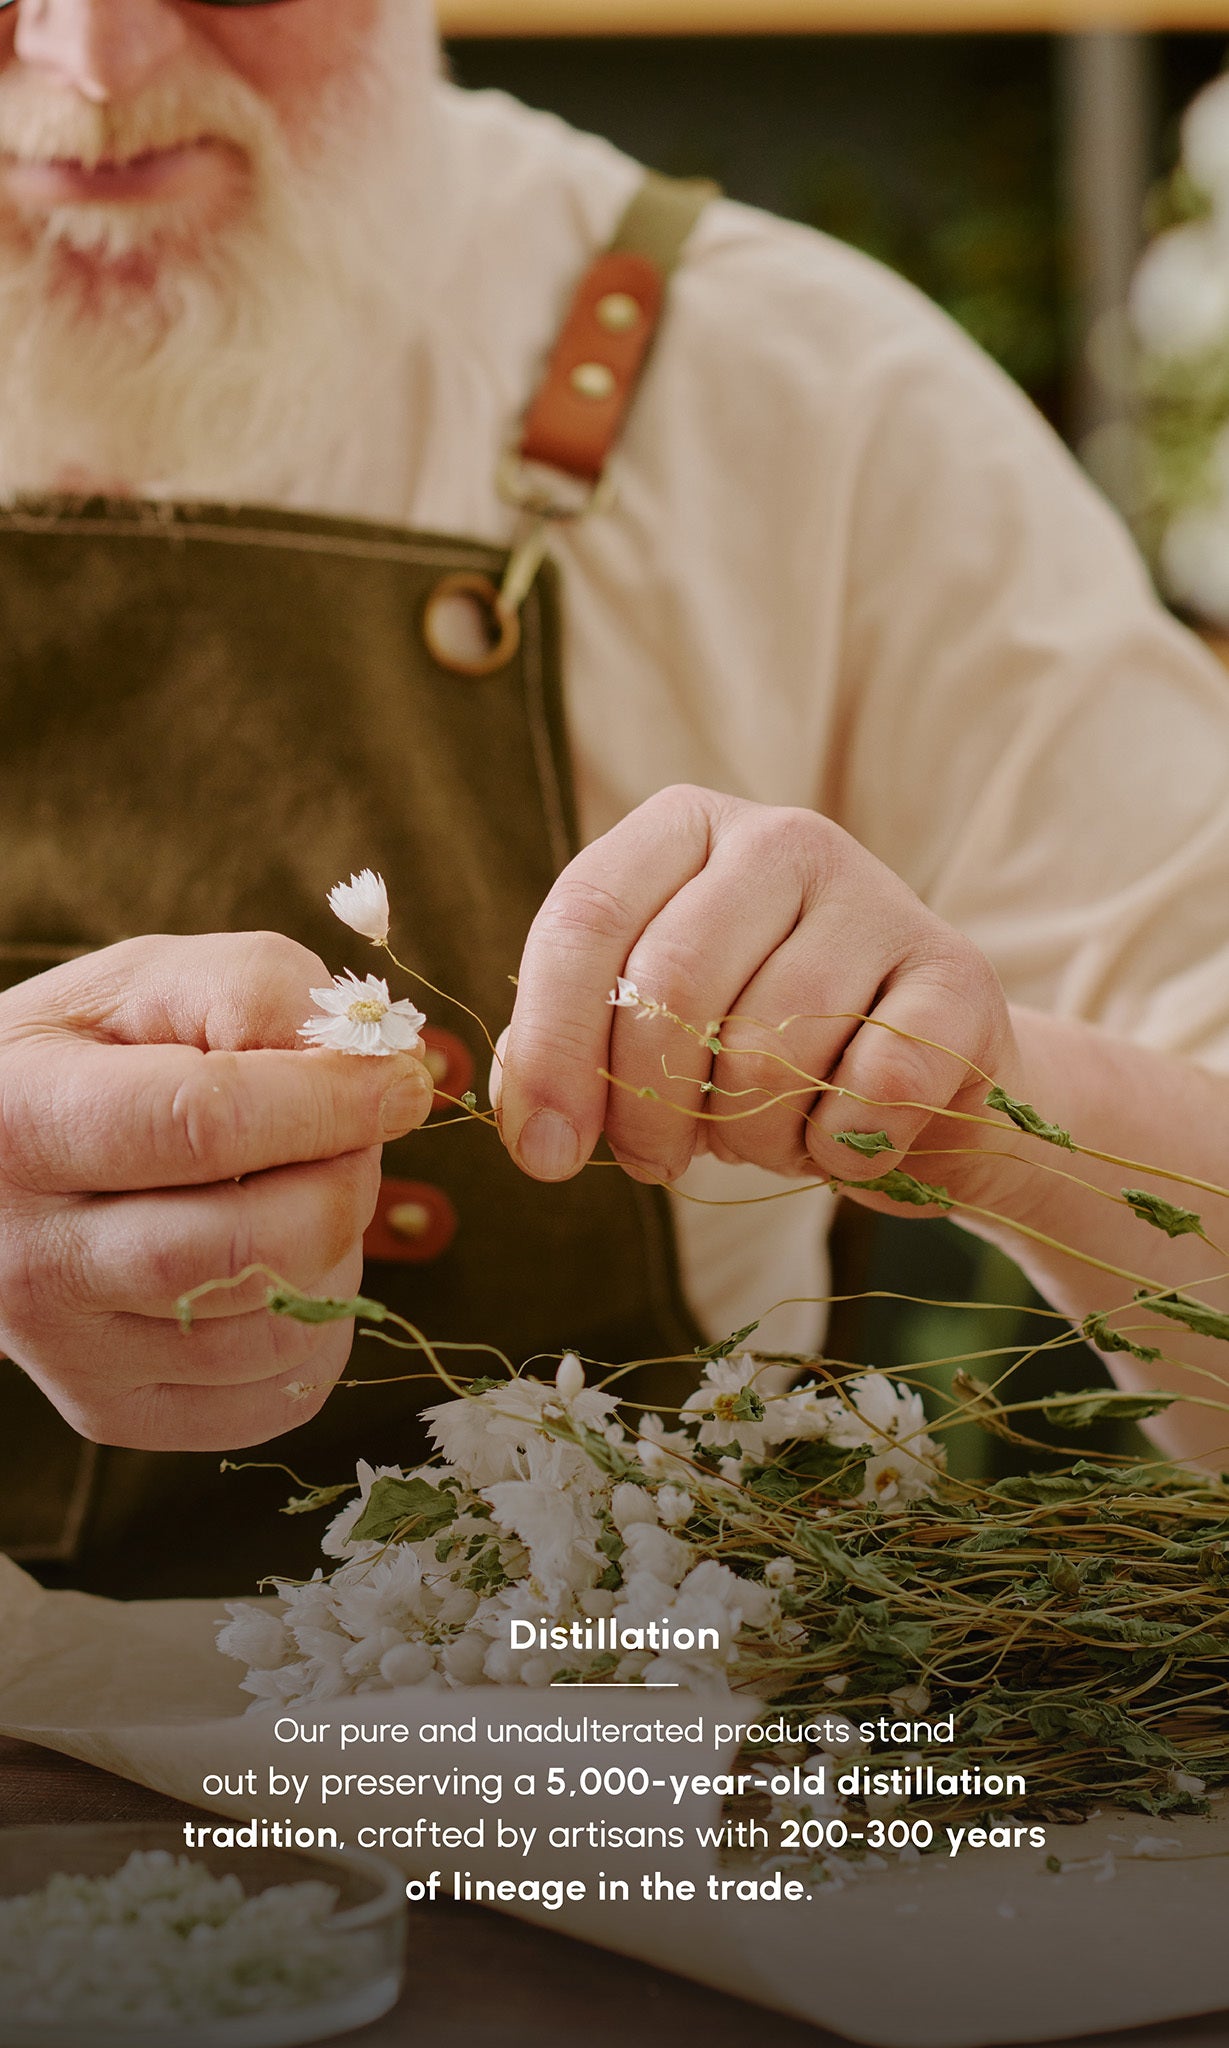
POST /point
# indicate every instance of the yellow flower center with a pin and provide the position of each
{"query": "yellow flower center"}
(367, 1010)
(725, 1407)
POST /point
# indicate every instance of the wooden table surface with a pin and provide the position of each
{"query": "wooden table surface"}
(478, 1979)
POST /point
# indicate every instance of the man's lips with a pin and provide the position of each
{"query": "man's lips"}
(157, 174)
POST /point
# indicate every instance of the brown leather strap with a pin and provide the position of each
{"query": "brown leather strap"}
(580, 408)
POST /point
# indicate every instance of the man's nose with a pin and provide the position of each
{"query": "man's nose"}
(103, 49)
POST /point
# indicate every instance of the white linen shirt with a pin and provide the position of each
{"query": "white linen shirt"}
(848, 567)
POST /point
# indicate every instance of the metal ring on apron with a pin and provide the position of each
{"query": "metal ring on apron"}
(501, 626)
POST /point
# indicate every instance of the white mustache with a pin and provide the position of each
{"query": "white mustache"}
(44, 123)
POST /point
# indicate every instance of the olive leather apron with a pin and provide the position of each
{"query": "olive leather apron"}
(210, 716)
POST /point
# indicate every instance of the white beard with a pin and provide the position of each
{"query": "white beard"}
(241, 369)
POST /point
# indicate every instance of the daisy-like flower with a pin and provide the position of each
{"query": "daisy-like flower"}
(362, 903)
(360, 1016)
(624, 995)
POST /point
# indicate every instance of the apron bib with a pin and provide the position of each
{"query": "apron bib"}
(211, 715)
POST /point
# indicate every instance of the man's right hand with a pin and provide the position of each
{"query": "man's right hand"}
(161, 1126)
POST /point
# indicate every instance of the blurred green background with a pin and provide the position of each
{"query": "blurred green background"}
(938, 154)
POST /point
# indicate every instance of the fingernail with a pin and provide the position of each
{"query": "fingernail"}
(401, 1109)
(548, 1146)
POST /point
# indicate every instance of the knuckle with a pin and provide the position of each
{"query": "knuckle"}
(24, 1159)
(205, 1120)
(670, 968)
(262, 992)
(948, 965)
(579, 909)
(30, 1274)
(346, 1204)
(687, 802)
(241, 1247)
(754, 1060)
(803, 847)
(274, 953)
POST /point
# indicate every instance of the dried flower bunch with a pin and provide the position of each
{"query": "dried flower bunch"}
(1074, 1622)
(543, 1505)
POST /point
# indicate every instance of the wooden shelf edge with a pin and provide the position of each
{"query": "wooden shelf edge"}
(530, 18)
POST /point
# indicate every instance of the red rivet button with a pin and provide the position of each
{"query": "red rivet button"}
(413, 1224)
(449, 1062)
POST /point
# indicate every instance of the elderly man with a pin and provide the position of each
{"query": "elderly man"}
(866, 713)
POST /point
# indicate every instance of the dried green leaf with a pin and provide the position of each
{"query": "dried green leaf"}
(319, 1497)
(1105, 1404)
(1213, 1563)
(404, 1511)
(1079, 1717)
(606, 1456)
(727, 1345)
(1026, 1118)
(902, 1187)
(1174, 1636)
(1164, 1216)
(310, 1308)
(844, 1564)
(1198, 1316)
(1066, 1577)
(869, 1143)
(1103, 1337)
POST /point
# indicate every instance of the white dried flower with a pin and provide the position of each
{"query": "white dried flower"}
(362, 903)
(1185, 1781)
(570, 1378)
(361, 1017)
(631, 1504)
(909, 1699)
(624, 995)
(780, 1571)
(254, 1636)
(657, 1553)
(407, 1664)
(674, 1506)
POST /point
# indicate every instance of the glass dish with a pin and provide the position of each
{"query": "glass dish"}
(365, 1933)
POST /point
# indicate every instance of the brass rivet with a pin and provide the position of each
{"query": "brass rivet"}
(409, 1220)
(435, 1060)
(593, 380)
(619, 312)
